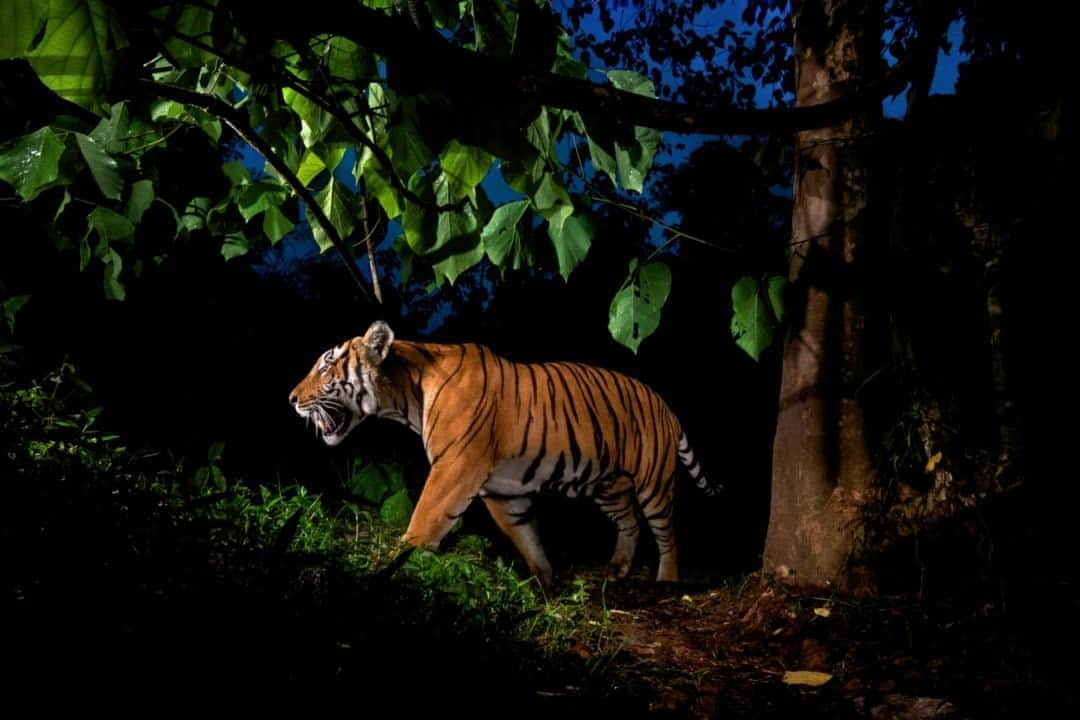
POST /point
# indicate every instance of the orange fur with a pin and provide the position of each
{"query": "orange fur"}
(502, 431)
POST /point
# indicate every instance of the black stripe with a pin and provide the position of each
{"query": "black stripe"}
(531, 470)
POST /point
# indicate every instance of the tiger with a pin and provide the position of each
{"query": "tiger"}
(504, 431)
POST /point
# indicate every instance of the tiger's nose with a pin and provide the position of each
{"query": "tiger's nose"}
(293, 400)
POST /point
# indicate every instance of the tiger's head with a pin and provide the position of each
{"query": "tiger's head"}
(343, 387)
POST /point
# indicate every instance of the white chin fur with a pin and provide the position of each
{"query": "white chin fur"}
(334, 439)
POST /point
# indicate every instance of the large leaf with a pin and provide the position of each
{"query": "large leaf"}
(572, 240)
(496, 26)
(348, 61)
(110, 226)
(777, 286)
(468, 165)
(21, 21)
(32, 162)
(397, 509)
(310, 167)
(635, 310)
(191, 21)
(235, 245)
(114, 289)
(259, 196)
(142, 195)
(275, 224)
(552, 201)
(77, 56)
(378, 184)
(633, 82)
(315, 122)
(407, 147)
(506, 237)
(337, 202)
(11, 306)
(753, 321)
(195, 214)
(467, 253)
(428, 231)
(103, 167)
(634, 160)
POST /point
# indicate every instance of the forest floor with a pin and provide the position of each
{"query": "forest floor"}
(748, 649)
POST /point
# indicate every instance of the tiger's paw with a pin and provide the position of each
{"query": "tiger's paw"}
(617, 569)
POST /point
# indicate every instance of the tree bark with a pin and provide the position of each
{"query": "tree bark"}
(823, 474)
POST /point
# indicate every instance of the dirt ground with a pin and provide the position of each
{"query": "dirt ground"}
(749, 649)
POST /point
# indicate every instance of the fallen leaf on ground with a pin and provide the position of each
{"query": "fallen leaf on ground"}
(806, 677)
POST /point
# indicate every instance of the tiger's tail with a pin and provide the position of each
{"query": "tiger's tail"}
(693, 466)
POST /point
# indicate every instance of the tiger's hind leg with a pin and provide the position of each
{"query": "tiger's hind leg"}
(616, 500)
(658, 506)
(514, 516)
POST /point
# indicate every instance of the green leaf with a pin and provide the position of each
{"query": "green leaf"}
(190, 21)
(753, 321)
(496, 27)
(195, 214)
(215, 452)
(397, 509)
(468, 165)
(572, 241)
(315, 122)
(310, 167)
(110, 132)
(631, 81)
(468, 252)
(635, 310)
(348, 61)
(142, 196)
(259, 196)
(64, 201)
(237, 172)
(337, 202)
(10, 307)
(276, 225)
(219, 478)
(22, 20)
(374, 482)
(552, 201)
(114, 289)
(32, 162)
(109, 225)
(635, 160)
(777, 288)
(77, 55)
(378, 185)
(235, 245)
(602, 160)
(404, 140)
(505, 240)
(565, 62)
(102, 166)
(205, 122)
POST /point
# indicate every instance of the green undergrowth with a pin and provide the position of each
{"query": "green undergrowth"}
(85, 509)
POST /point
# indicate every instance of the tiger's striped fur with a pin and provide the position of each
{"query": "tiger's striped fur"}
(503, 431)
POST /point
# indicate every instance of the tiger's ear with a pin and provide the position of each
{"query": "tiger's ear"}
(377, 342)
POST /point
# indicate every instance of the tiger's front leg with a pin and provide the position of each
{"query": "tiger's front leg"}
(446, 494)
(514, 517)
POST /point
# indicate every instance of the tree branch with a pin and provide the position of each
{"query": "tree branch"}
(235, 119)
(428, 60)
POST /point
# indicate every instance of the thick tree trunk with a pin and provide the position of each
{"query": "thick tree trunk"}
(822, 470)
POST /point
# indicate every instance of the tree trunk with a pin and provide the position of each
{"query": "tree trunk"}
(822, 470)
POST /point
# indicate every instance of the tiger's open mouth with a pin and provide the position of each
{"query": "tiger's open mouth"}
(330, 424)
